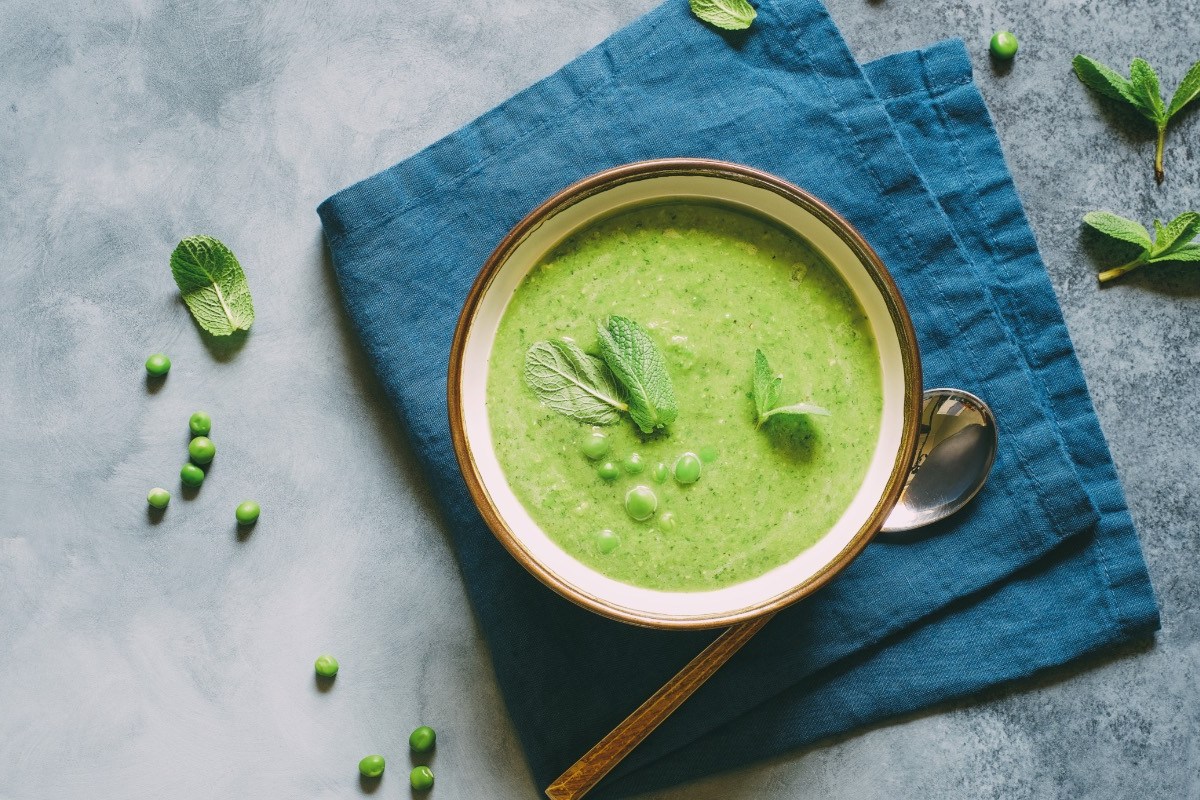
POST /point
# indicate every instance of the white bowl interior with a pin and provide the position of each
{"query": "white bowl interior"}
(649, 602)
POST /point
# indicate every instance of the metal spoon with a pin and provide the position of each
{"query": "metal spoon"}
(954, 455)
(955, 452)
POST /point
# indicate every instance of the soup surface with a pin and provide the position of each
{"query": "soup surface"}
(710, 285)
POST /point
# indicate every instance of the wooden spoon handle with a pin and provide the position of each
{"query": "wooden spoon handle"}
(584, 774)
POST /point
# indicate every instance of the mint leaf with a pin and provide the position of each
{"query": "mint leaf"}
(1178, 231)
(1172, 242)
(1146, 89)
(640, 367)
(765, 390)
(213, 285)
(1103, 80)
(765, 393)
(573, 383)
(1189, 90)
(731, 15)
(1119, 228)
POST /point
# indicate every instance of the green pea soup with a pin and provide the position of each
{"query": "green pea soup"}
(710, 284)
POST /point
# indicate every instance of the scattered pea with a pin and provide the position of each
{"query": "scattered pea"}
(158, 497)
(641, 502)
(687, 468)
(158, 365)
(633, 464)
(191, 475)
(595, 446)
(1004, 45)
(326, 665)
(371, 766)
(608, 470)
(708, 454)
(200, 423)
(202, 449)
(667, 521)
(422, 739)
(421, 778)
(607, 541)
(660, 473)
(247, 514)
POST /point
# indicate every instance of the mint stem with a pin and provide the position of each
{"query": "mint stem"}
(1117, 272)
(1159, 175)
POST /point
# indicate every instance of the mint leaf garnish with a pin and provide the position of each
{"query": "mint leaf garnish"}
(573, 383)
(731, 15)
(765, 393)
(640, 367)
(213, 285)
(1172, 242)
(1141, 91)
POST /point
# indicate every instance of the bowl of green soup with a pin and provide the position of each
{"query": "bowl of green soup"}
(684, 393)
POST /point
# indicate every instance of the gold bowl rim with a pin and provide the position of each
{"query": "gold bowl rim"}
(666, 167)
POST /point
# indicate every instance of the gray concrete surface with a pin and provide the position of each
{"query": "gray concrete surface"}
(172, 658)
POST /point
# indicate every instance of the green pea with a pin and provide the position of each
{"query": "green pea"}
(633, 464)
(595, 446)
(158, 365)
(1004, 45)
(687, 468)
(247, 512)
(708, 454)
(158, 497)
(191, 475)
(200, 423)
(326, 665)
(371, 766)
(607, 541)
(422, 739)
(667, 521)
(640, 502)
(421, 778)
(608, 470)
(660, 473)
(202, 449)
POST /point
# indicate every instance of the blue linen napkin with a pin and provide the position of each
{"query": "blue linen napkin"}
(1043, 567)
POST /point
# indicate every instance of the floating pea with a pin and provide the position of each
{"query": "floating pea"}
(595, 446)
(641, 502)
(158, 498)
(687, 468)
(202, 449)
(633, 464)
(607, 541)
(608, 470)
(1004, 45)
(247, 512)
(667, 521)
(660, 472)
(708, 454)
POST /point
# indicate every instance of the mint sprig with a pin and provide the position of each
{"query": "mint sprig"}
(573, 383)
(765, 393)
(640, 367)
(1171, 242)
(213, 285)
(730, 15)
(1141, 91)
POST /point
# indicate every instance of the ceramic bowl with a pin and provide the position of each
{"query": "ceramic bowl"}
(750, 191)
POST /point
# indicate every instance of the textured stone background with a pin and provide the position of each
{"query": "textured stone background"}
(173, 660)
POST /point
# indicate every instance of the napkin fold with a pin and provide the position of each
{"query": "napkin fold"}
(1041, 568)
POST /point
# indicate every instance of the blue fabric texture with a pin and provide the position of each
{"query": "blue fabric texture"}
(1042, 568)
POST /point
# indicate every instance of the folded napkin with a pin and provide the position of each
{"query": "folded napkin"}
(1043, 567)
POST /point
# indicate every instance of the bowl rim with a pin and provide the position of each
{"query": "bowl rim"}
(668, 167)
